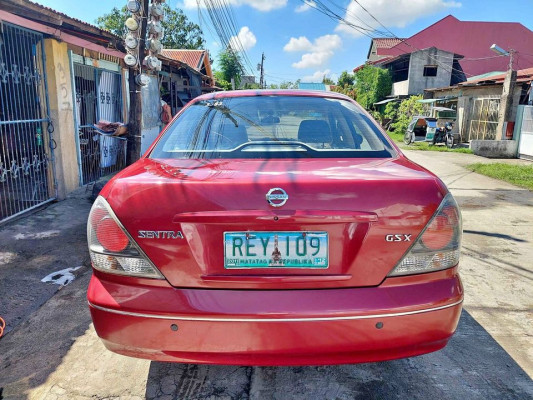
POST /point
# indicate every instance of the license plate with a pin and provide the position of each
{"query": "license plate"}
(276, 250)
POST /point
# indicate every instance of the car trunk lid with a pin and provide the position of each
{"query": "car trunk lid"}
(197, 220)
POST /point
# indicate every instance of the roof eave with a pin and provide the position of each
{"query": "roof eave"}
(47, 16)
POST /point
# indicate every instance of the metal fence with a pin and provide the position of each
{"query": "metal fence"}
(525, 121)
(98, 95)
(483, 119)
(26, 145)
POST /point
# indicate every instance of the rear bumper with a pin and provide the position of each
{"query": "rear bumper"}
(290, 327)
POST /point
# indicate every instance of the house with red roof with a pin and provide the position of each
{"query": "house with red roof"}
(197, 59)
(450, 51)
(382, 44)
(189, 75)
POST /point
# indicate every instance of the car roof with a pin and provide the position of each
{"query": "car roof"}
(272, 92)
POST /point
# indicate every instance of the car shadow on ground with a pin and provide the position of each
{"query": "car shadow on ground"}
(472, 366)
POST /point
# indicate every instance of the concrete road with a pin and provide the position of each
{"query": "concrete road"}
(53, 353)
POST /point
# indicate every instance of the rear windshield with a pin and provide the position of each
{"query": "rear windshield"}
(272, 127)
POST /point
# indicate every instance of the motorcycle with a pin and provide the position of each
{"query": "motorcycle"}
(444, 135)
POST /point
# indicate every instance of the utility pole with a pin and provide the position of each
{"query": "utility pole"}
(144, 34)
(135, 113)
(505, 127)
(260, 67)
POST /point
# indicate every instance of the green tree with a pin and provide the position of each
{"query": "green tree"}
(180, 33)
(289, 84)
(231, 66)
(252, 86)
(346, 79)
(346, 90)
(220, 81)
(327, 81)
(408, 108)
(391, 111)
(372, 85)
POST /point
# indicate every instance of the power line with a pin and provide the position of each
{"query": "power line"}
(223, 20)
(322, 8)
(349, 14)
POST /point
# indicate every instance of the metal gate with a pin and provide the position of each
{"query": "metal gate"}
(98, 97)
(525, 144)
(26, 145)
(483, 119)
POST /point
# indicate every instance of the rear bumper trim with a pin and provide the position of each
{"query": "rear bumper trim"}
(311, 319)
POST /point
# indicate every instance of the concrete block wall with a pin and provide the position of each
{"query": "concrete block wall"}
(419, 59)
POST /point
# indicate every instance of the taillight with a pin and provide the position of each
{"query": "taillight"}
(438, 246)
(441, 230)
(111, 236)
(111, 248)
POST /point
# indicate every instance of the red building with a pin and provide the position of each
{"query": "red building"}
(472, 40)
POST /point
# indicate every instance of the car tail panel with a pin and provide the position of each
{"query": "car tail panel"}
(181, 212)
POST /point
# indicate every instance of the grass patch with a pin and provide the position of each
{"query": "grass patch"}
(425, 146)
(397, 137)
(520, 175)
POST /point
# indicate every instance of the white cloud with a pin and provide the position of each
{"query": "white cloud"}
(261, 5)
(332, 42)
(308, 4)
(313, 60)
(317, 53)
(391, 13)
(300, 44)
(246, 37)
(318, 76)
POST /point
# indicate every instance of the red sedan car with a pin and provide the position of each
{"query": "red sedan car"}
(274, 228)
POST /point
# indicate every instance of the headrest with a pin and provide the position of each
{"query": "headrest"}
(314, 131)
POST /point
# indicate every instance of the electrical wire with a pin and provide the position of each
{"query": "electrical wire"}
(222, 18)
(369, 30)
(348, 13)
(322, 8)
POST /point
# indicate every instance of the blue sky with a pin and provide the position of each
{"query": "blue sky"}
(301, 43)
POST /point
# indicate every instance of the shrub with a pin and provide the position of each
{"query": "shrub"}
(372, 84)
(407, 109)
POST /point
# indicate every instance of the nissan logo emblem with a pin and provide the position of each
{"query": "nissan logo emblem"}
(277, 197)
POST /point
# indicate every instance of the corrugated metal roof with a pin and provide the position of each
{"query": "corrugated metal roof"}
(193, 58)
(311, 86)
(485, 76)
(523, 75)
(69, 17)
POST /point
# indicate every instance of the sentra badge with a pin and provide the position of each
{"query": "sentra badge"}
(160, 235)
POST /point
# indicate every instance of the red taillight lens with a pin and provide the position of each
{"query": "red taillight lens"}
(111, 248)
(442, 229)
(439, 234)
(97, 215)
(439, 245)
(111, 236)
